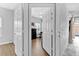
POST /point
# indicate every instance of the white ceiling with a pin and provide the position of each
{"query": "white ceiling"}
(73, 8)
(39, 11)
(10, 6)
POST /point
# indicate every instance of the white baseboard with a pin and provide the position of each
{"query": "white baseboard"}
(5, 42)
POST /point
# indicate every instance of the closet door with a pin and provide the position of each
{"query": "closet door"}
(18, 30)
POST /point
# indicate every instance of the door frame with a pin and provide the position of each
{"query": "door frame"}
(30, 5)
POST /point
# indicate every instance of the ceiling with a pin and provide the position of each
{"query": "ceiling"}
(10, 6)
(73, 8)
(39, 11)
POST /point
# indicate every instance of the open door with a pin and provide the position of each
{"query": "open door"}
(47, 27)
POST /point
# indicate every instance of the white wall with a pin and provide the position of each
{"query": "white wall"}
(72, 6)
(18, 30)
(36, 19)
(7, 25)
(62, 28)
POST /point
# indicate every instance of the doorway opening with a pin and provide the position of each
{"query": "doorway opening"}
(37, 48)
(73, 29)
(37, 30)
(40, 22)
(73, 46)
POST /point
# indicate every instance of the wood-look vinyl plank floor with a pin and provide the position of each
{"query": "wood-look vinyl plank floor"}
(37, 48)
(7, 50)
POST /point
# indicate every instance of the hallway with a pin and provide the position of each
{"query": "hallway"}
(37, 49)
(73, 49)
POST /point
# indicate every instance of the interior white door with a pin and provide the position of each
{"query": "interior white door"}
(46, 28)
(18, 31)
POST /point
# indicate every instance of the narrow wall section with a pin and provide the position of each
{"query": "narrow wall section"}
(18, 38)
(62, 28)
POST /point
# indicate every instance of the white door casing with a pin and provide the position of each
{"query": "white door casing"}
(50, 28)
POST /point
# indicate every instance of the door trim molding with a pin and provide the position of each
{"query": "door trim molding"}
(29, 20)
